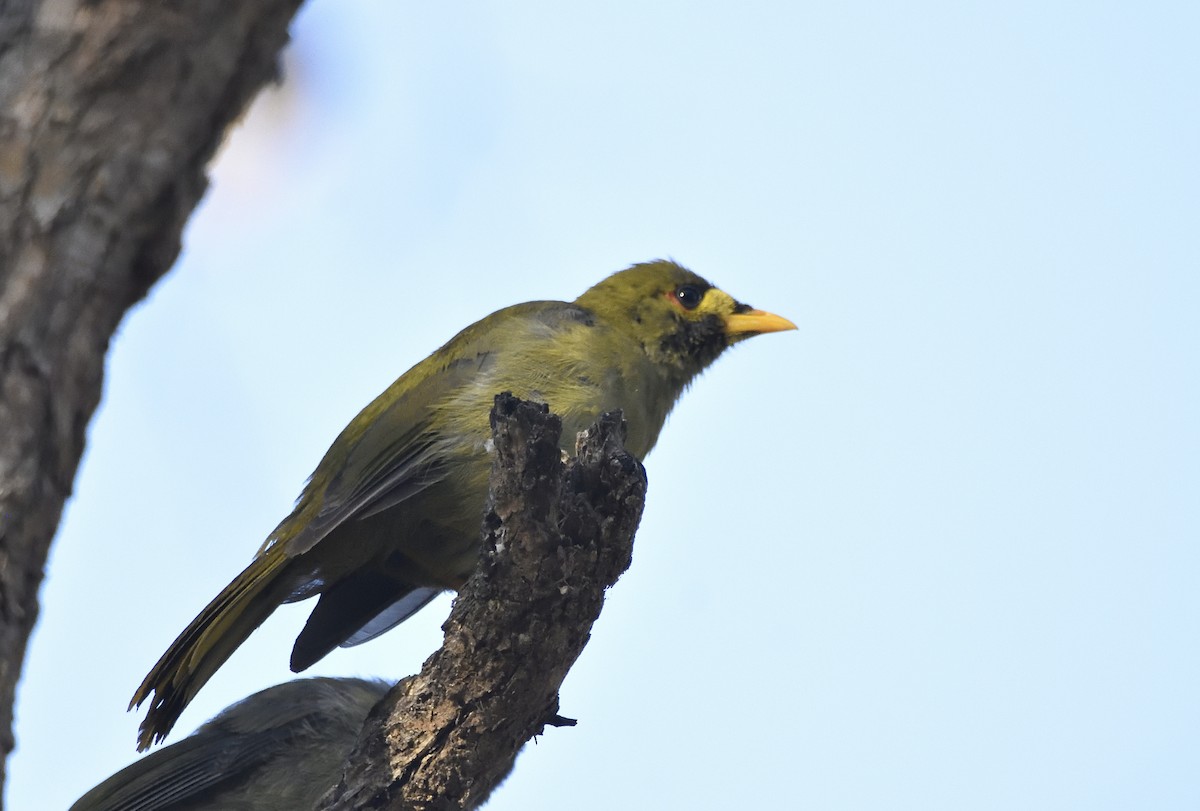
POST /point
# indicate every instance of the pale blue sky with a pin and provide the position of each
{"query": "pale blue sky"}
(950, 558)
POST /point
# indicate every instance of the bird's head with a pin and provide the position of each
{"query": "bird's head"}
(682, 321)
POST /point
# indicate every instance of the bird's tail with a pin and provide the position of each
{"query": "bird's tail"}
(208, 641)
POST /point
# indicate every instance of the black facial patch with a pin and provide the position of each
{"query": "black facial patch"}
(695, 343)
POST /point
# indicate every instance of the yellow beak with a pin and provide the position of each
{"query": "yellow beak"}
(754, 322)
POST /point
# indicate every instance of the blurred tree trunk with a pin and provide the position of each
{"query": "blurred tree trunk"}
(109, 113)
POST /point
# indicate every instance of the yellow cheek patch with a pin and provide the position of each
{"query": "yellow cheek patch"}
(718, 302)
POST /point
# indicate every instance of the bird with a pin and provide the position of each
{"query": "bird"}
(391, 515)
(280, 749)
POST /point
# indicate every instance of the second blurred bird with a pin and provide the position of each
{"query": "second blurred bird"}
(280, 749)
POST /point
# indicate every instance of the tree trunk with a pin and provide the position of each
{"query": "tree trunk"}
(555, 537)
(109, 113)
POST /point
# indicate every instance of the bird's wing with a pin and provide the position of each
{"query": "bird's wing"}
(393, 458)
(186, 770)
(392, 449)
(231, 750)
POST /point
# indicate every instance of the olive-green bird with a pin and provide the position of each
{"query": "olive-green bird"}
(391, 516)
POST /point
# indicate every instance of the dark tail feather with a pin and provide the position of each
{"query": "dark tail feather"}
(208, 641)
(347, 607)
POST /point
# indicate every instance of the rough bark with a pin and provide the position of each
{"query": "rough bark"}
(555, 537)
(109, 112)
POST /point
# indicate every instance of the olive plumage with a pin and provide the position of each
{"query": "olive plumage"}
(391, 515)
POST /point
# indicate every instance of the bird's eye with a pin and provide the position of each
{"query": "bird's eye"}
(689, 296)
